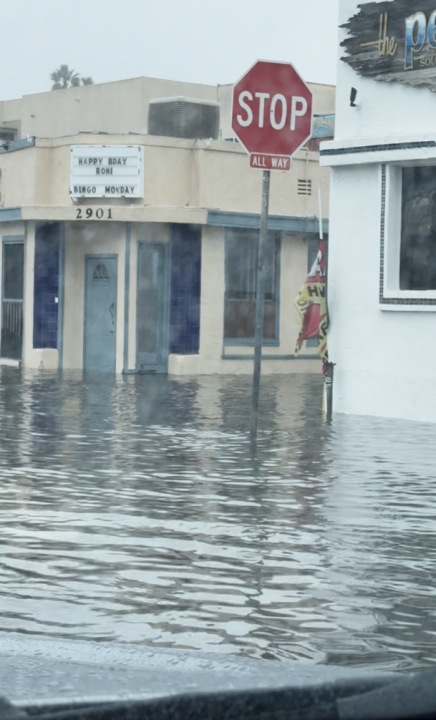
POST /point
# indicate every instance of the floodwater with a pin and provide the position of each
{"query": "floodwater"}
(133, 510)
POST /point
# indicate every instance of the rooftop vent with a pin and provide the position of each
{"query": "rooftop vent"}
(184, 118)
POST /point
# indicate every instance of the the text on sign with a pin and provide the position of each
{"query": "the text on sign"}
(100, 213)
(280, 109)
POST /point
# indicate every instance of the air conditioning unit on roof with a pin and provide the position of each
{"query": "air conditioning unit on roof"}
(184, 118)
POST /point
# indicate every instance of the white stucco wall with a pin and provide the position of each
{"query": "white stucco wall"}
(385, 358)
(384, 355)
(386, 109)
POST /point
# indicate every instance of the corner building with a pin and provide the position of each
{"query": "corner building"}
(128, 221)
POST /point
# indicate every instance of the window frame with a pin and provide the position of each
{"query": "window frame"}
(249, 342)
(391, 297)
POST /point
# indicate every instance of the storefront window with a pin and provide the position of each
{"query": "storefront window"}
(241, 277)
(418, 229)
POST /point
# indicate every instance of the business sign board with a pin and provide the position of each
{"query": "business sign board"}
(394, 42)
(102, 171)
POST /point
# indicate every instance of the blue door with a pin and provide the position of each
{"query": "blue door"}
(100, 313)
(152, 308)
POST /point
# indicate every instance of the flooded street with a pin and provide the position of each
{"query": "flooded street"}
(132, 510)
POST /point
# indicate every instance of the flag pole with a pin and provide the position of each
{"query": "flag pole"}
(321, 231)
(329, 367)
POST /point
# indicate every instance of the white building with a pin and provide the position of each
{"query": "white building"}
(382, 259)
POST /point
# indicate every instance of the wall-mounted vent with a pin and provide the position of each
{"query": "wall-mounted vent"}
(305, 187)
(184, 118)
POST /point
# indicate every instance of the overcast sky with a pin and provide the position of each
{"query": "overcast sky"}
(192, 40)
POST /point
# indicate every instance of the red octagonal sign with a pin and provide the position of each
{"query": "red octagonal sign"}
(272, 113)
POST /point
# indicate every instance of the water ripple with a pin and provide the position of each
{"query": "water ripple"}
(133, 510)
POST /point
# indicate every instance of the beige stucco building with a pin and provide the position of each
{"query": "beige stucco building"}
(160, 278)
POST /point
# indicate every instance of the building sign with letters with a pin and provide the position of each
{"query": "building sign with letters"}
(107, 171)
(394, 42)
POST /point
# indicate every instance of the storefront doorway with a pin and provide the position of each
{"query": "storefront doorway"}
(152, 308)
(12, 299)
(100, 313)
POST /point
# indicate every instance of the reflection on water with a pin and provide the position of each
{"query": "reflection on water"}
(133, 510)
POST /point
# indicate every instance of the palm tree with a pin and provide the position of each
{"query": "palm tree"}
(64, 78)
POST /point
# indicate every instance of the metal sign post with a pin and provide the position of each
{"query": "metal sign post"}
(272, 119)
(260, 304)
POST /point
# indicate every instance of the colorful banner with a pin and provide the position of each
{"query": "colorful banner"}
(311, 305)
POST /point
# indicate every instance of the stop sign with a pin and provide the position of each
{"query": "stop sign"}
(272, 110)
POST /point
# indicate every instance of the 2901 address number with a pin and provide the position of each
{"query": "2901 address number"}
(100, 213)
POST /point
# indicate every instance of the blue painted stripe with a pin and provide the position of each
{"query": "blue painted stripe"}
(184, 323)
(10, 214)
(46, 286)
(61, 297)
(127, 298)
(280, 223)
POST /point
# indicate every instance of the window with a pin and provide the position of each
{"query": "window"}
(12, 300)
(407, 236)
(101, 273)
(13, 271)
(240, 295)
(7, 135)
(418, 229)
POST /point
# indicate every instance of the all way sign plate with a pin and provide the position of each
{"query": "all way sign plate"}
(261, 161)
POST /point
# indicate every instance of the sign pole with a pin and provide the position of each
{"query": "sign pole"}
(260, 304)
(272, 119)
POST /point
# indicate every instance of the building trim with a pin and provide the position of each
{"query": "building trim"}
(383, 147)
(61, 297)
(121, 212)
(394, 302)
(12, 145)
(279, 223)
(271, 357)
(14, 238)
(7, 362)
(10, 214)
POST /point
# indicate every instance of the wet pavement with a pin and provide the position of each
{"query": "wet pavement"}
(133, 510)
